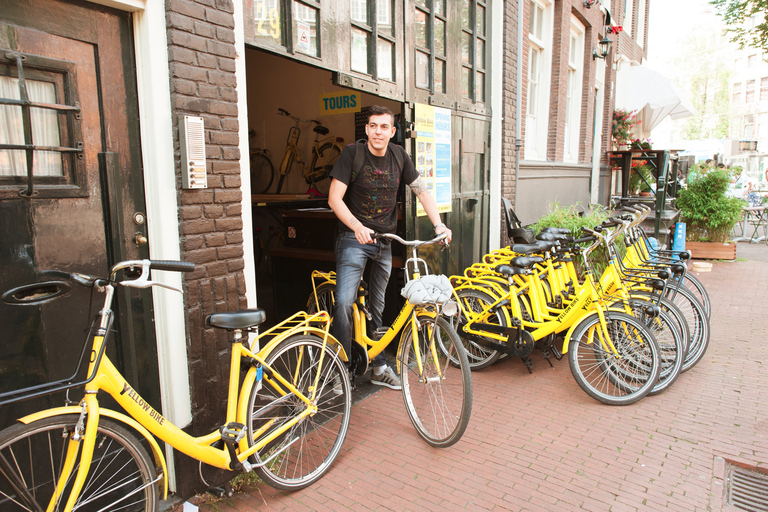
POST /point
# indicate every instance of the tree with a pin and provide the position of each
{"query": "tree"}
(747, 21)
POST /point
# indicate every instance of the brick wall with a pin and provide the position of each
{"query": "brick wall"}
(202, 69)
(508, 108)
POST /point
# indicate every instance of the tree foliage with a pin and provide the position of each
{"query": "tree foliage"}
(747, 21)
(705, 207)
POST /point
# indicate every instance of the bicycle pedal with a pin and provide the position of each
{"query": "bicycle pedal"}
(232, 432)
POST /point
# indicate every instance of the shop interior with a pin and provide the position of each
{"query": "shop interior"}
(294, 231)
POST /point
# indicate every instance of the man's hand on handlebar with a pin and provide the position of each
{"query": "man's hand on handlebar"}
(444, 229)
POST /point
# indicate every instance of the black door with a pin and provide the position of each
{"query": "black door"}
(68, 86)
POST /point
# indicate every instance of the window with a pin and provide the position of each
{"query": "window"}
(736, 98)
(573, 92)
(268, 16)
(762, 126)
(473, 48)
(539, 63)
(640, 36)
(629, 7)
(752, 61)
(746, 132)
(54, 136)
(749, 95)
(430, 38)
(306, 18)
(764, 89)
(373, 38)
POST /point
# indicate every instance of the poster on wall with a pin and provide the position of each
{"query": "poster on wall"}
(433, 153)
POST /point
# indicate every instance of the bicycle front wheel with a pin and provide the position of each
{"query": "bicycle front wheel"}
(321, 166)
(439, 397)
(122, 475)
(262, 173)
(303, 453)
(614, 379)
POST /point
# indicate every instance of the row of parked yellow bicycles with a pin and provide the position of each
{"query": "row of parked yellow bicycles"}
(627, 333)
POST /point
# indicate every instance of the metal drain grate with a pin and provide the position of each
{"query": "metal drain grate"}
(747, 489)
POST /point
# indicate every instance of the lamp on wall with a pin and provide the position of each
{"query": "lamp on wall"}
(589, 3)
(603, 49)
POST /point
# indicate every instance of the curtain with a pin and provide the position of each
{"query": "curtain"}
(45, 129)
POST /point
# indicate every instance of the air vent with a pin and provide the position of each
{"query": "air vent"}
(746, 489)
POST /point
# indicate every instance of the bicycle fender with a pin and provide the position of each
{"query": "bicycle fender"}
(332, 342)
(400, 344)
(568, 335)
(117, 416)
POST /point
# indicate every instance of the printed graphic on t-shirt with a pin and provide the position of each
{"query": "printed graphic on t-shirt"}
(380, 192)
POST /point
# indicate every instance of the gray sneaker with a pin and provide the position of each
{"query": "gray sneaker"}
(336, 386)
(388, 378)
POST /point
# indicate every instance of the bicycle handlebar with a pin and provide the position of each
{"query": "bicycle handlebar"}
(411, 243)
(283, 112)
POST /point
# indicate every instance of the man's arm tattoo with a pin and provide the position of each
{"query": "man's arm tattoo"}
(418, 186)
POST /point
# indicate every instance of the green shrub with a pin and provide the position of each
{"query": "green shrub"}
(706, 209)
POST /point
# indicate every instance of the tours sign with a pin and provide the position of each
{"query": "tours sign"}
(433, 153)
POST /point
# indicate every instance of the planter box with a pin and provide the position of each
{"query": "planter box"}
(712, 250)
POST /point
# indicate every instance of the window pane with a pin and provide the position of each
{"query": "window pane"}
(439, 7)
(480, 20)
(426, 4)
(45, 129)
(358, 11)
(480, 87)
(305, 29)
(420, 29)
(385, 17)
(422, 70)
(480, 53)
(466, 14)
(384, 63)
(465, 87)
(439, 37)
(359, 50)
(466, 47)
(439, 75)
(268, 15)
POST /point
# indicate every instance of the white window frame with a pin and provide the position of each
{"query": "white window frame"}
(575, 87)
(641, 11)
(537, 113)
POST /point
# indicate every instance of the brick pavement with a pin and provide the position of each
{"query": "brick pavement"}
(537, 442)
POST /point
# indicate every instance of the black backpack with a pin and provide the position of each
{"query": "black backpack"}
(397, 151)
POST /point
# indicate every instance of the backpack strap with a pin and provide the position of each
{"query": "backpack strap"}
(357, 163)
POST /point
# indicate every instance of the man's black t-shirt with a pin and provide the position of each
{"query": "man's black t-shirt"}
(372, 191)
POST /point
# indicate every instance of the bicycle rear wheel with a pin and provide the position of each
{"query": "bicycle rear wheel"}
(614, 379)
(302, 454)
(439, 399)
(122, 475)
(321, 166)
(262, 173)
(325, 300)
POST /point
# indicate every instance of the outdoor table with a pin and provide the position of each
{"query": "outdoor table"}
(754, 215)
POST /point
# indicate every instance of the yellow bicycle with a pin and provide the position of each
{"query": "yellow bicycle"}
(433, 366)
(287, 420)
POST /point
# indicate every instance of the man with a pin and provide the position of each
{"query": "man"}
(365, 200)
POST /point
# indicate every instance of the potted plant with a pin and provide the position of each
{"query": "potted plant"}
(709, 213)
(621, 131)
(640, 179)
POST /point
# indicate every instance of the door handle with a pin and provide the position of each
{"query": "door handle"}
(139, 239)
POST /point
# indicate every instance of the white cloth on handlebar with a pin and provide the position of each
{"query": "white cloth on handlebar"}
(430, 289)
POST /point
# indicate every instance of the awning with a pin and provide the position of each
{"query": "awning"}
(652, 95)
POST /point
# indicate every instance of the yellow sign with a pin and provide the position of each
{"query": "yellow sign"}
(433, 153)
(342, 102)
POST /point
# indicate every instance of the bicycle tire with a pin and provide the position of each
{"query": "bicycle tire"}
(262, 173)
(601, 375)
(321, 166)
(698, 323)
(697, 289)
(478, 356)
(122, 474)
(325, 299)
(440, 404)
(672, 345)
(321, 435)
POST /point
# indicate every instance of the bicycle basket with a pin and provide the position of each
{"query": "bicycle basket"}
(430, 289)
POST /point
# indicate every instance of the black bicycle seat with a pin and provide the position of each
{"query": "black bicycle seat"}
(526, 248)
(545, 246)
(557, 231)
(322, 130)
(525, 262)
(507, 270)
(243, 319)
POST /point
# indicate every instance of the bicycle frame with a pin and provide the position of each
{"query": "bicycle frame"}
(103, 376)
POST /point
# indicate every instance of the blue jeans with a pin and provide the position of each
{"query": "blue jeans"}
(351, 257)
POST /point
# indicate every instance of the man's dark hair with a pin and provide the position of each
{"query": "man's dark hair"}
(379, 110)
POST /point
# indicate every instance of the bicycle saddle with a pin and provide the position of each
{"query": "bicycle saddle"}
(526, 248)
(557, 231)
(322, 130)
(243, 319)
(525, 262)
(545, 246)
(550, 237)
(507, 270)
